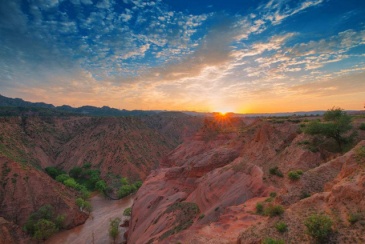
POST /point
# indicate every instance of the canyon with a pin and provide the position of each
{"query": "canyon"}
(203, 177)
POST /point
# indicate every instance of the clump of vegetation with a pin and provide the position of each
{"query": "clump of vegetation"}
(127, 211)
(336, 124)
(259, 208)
(295, 174)
(83, 204)
(201, 216)
(273, 194)
(304, 194)
(54, 172)
(281, 226)
(362, 126)
(360, 154)
(273, 241)
(274, 210)
(114, 228)
(319, 226)
(43, 223)
(276, 171)
(354, 217)
(127, 188)
(185, 212)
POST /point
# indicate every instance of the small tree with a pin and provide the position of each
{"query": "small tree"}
(114, 228)
(336, 123)
(44, 229)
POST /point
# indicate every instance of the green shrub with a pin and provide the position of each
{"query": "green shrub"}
(44, 229)
(318, 226)
(70, 182)
(259, 208)
(43, 223)
(75, 172)
(54, 172)
(274, 210)
(354, 217)
(201, 216)
(127, 212)
(281, 226)
(295, 174)
(276, 171)
(114, 228)
(100, 186)
(304, 194)
(362, 126)
(124, 191)
(273, 241)
(83, 205)
(61, 178)
(272, 194)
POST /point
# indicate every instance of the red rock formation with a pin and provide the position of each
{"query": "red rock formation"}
(24, 190)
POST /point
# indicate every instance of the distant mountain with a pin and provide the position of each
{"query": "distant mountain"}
(16, 106)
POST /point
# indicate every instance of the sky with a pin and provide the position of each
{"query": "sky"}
(246, 56)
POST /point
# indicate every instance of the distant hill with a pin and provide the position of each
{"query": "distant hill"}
(17, 106)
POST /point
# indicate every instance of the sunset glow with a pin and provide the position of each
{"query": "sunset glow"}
(227, 56)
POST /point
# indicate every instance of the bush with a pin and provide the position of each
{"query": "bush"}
(124, 191)
(276, 171)
(83, 205)
(318, 226)
(354, 217)
(61, 178)
(70, 182)
(43, 223)
(75, 172)
(274, 210)
(362, 126)
(44, 229)
(53, 172)
(272, 194)
(295, 174)
(127, 212)
(273, 241)
(100, 186)
(114, 228)
(259, 208)
(281, 227)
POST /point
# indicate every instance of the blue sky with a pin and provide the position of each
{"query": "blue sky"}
(242, 56)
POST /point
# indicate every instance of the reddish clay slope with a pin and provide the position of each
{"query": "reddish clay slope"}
(219, 172)
(24, 190)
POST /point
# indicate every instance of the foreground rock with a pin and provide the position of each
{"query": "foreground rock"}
(210, 186)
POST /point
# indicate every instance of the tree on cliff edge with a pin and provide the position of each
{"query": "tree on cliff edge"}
(336, 123)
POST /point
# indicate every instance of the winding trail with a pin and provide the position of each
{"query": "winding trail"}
(95, 229)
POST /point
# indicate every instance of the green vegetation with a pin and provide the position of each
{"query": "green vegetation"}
(273, 194)
(127, 212)
(185, 212)
(127, 188)
(274, 210)
(295, 174)
(281, 226)
(259, 208)
(336, 124)
(362, 126)
(43, 223)
(272, 241)
(319, 226)
(354, 217)
(54, 172)
(276, 171)
(304, 194)
(114, 228)
(360, 154)
(83, 204)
